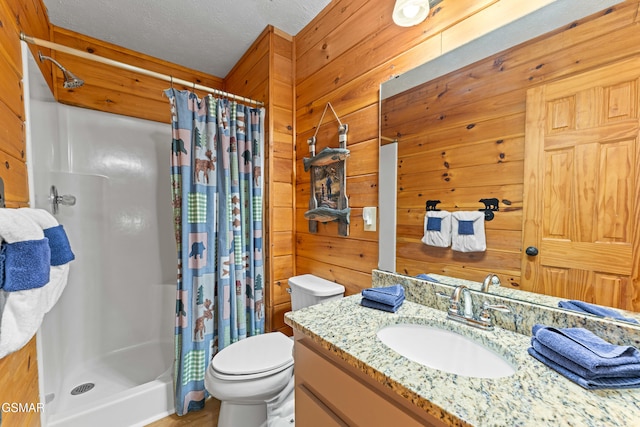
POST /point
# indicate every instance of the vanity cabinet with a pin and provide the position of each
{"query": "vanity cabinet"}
(329, 392)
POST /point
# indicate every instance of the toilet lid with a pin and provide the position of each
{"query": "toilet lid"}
(253, 355)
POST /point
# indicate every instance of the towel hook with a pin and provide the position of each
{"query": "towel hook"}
(431, 205)
(490, 206)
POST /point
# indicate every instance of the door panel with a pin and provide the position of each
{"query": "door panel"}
(582, 182)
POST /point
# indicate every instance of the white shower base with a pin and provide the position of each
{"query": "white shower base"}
(127, 391)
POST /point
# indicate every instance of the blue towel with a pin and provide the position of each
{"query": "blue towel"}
(380, 306)
(389, 295)
(585, 307)
(59, 244)
(427, 278)
(619, 371)
(589, 384)
(585, 348)
(26, 265)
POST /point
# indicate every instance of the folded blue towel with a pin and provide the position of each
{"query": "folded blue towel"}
(585, 307)
(59, 244)
(584, 348)
(589, 384)
(619, 371)
(365, 302)
(26, 265)
(427, 278)
(389, 295)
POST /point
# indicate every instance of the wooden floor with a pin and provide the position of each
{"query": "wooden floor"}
(207, 417)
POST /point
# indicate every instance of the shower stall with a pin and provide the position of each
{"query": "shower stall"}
(105, 350)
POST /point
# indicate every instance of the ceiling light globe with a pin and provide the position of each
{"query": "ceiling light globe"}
(407, 13)
(410, 10)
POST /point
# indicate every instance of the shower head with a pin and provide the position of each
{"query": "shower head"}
(70, 80)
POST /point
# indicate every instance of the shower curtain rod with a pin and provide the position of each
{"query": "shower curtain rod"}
(122, 65)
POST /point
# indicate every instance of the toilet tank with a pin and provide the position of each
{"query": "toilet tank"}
(308, 289)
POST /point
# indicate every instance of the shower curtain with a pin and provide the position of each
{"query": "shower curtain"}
(216, 178)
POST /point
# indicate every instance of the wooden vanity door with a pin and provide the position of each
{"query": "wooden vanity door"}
(581, 187)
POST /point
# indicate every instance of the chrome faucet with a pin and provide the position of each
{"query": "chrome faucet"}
(462, 292)
(491, 279)
(465, 314)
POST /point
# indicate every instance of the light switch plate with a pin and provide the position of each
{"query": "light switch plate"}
(369, 218)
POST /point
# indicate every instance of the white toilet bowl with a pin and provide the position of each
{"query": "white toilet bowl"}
(245, 383)
(253, 378)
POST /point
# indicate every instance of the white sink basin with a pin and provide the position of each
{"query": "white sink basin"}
(444, 350)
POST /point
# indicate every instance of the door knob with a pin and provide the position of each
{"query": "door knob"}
(532, 251)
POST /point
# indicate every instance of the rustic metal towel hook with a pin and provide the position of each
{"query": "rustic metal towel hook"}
(490, 206)
(431, 205)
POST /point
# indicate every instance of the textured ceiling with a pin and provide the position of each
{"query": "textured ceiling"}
(205, 35)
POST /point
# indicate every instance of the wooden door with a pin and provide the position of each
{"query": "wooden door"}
(581, 189)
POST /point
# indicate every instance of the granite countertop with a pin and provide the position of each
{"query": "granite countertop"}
(534, 396)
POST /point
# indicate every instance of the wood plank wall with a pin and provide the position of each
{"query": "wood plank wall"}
(118, 91)
(265, 73)
(461, 138)
(18, 371)
(342, 57)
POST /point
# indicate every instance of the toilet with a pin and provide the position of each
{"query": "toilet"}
(253, 378)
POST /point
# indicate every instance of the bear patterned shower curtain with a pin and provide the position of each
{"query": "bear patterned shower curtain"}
(216, 177)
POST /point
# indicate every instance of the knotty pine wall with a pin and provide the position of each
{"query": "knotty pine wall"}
(342, 57)
(352, 47)
(118, 91)
(18, 371)
(265, 72)
(461, 138)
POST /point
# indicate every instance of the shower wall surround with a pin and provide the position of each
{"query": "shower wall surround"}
(111, 332)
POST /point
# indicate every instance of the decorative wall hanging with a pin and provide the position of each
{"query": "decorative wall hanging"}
(328, 200)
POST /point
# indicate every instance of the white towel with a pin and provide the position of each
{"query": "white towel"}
(437, 229)
(22, 312)
(467, 231)
(20, 316)
(15, 227)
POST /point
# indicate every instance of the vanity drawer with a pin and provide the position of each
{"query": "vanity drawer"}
(347, 397)
(312, 412)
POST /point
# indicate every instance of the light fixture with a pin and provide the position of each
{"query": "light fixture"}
(407, 13)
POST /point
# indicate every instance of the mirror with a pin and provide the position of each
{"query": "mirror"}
(477, 140)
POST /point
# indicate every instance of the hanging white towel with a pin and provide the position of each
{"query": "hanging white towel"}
(437, 229)
(467, 231)
(22, 311)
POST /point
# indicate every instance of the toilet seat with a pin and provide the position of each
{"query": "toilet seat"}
(254, 357)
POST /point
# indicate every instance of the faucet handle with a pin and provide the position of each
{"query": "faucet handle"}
(484, 315)
(443, 295)
(453, 304)
(498, 307)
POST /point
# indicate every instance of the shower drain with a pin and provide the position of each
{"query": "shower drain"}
(82, 388)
